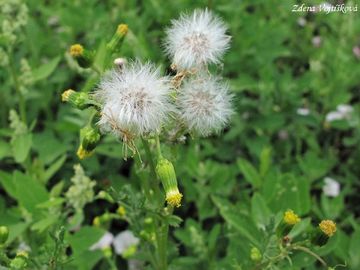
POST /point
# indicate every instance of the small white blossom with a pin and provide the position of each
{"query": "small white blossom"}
(134, 101)
(331, 187)
(105, 241)
(196, 39)
(205, 104)
(343, 111)
(123, 241)
(303, 111)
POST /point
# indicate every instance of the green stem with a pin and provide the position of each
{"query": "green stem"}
(158, 148)
(310, 253)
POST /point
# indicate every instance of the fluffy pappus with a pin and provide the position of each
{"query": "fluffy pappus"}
(135, 101)
(196, 39)
(205, 104)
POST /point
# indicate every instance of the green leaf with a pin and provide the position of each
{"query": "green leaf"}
(21, 146)
(8, 184)
(260, 212)
(249, 172)
(54, 168)
(265, 161)
(45, 70)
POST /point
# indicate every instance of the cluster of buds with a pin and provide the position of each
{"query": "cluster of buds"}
(166, 173)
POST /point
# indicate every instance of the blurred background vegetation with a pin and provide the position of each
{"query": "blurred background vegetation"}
(288, 72)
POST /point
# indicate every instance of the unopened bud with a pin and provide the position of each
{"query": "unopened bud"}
(20, 261)
(166, 173)
(83, 57)
(89, 137)
(4, 234)
(118, 38)
(79, 100)
(121, 211)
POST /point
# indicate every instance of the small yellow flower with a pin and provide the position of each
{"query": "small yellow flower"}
(122, 29)
(76, 50)
(82, 153)
(173, 198)
(291, 218)
(66, 94)
(121, 211)
(328, 227)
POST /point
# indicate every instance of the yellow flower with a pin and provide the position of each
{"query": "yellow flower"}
(22, 253)
(76, 50)
(66, 94)
(83, 153)
(291, 218)
(173, 197)
(328, 227)
(122, 29)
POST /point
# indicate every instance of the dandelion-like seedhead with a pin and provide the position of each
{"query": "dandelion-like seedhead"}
(135, 101)
(205, 104)
(196, 39)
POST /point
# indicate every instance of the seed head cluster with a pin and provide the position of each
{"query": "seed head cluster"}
(137, 101)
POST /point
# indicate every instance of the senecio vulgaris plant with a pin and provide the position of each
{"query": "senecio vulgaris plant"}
(147, 110)
(135, 103)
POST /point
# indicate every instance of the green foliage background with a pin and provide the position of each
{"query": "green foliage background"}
(234, 185)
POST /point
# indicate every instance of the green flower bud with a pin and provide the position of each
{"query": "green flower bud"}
(4, 234)
(129, 252)
(89, 137)
(118, 38)
(79, 100)
(107, 251)
(255, 254)
(287, 223)
(83, 57)
(166, 173)
(323, 232)
(20, 261)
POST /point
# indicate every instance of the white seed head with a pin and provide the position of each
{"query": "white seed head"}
(205, 104)
(196, 39)
(134, 101)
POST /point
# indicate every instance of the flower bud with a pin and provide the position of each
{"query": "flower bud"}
(89, 137)
(255, 254)
(323, 232)
(82, 153)
(4, 234)
(121, 211)
(166, 173)
(107, 251)
(20, 261)
(83, 57)
(79, 100)
(118, 37)
(287, 223)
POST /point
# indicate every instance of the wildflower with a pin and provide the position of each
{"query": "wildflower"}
(79, 100)
(303, 111)
(331, 187)
(134, 102)
(104, 242)
(323, 232)
(83, 57)
(343, 111)
(89, 139)
(205, 104)
(196, 39)
(125, 243)
(289, 220)
(166, 173)
(118, 37)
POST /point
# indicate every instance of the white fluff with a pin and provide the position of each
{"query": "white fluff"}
(105, 241)
(135, 100)
(205, 104)
(196, 39)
